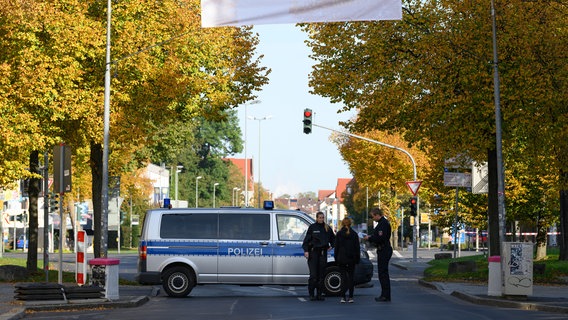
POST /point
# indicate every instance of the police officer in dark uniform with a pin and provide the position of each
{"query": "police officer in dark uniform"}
(381, 238)
(319, 239)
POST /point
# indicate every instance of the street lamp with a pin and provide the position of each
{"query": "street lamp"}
(235, 190)
(197, 190)
(160, 194)
(258, 169)
(214, 185)
(178, 170)
(246, 161)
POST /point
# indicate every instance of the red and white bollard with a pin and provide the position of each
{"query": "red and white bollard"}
(80, 265)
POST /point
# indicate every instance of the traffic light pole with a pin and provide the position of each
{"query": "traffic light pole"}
(416, 224)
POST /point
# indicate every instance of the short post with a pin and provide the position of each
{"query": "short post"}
(494, 284)
(80, 265)
(104, 273)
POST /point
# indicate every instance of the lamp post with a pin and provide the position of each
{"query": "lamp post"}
(197, 191)
(235, 190)
(160, 195)
(246, 160)
(258, 169)
(178, 170)
(214, 185)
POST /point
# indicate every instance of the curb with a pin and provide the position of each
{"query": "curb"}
(127, 303)
(496, 302)
(18, 313)
(509, 304)
(428, 285)
(400, 266)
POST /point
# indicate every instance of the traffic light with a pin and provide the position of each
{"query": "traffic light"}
(413, 211)
(308, 121)
(20, 217)
(53, 202)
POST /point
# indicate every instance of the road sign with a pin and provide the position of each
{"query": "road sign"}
(457, 179)
(479, 178)
(414, 186)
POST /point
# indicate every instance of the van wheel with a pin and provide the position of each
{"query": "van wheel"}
(178, 281)
(332, 281)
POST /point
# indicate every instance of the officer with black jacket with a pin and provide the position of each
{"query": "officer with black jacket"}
(319, 239)
(381, 238)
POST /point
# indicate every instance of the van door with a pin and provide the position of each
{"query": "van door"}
(245, 248)
(290, 265)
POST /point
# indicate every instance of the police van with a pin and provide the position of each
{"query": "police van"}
(181, 248)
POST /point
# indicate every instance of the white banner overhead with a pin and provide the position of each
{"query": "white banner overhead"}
(216, 13)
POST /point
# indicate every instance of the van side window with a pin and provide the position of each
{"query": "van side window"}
(244, 226)
(188, 226)
(291, 228)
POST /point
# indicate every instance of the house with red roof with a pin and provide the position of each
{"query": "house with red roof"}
(245, 168)
(331, 202)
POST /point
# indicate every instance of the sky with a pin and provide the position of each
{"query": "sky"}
(291, 161)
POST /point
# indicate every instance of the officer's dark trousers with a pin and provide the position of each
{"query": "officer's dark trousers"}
(316, 263)
(383, 259)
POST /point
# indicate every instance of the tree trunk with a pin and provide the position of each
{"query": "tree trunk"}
(563, 225)
(493, 205)
(541, 240)
(394, 240)
(33, 193)
(96, 160)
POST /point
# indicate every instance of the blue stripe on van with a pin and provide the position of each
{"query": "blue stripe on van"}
(223, 248)
(289, 251)
(173, 247)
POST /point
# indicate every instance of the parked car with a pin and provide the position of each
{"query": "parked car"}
(20, 242)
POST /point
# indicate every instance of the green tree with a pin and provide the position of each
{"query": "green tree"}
(429, 77)
(165, 67)
(41, 92)
(201, 150)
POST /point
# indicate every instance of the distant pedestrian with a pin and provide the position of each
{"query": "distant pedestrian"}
(347, 254)
(318, 240)
(381, 238)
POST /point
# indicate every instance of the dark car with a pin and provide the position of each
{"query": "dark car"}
(363, 274)
(364, 270)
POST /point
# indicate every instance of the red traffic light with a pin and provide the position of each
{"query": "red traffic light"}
(413, 206)
(307, 121)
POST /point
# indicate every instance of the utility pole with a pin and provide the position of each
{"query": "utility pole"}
(416, 225)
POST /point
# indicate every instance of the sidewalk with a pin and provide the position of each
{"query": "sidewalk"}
(547, 298)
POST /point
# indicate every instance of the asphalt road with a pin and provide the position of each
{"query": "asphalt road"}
(212, 302)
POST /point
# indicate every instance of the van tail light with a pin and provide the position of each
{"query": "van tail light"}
(142, 252)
